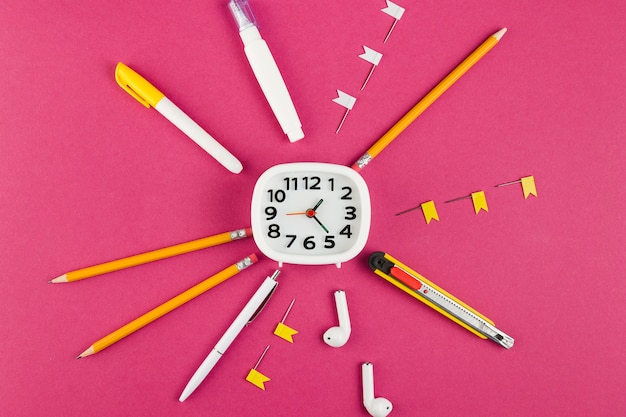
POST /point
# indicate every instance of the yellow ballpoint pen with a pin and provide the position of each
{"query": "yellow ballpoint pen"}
(150, 96)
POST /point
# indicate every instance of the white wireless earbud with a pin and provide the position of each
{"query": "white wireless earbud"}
(377, 407)
(339, 335)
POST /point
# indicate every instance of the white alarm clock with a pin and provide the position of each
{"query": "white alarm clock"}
(310, 213)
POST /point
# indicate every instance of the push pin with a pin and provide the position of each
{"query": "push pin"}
(255, 377)
(347, 101)
(373, 58)
(428, 209)
(394, 11)
(478, 199)
(282, 330)
(528, 185)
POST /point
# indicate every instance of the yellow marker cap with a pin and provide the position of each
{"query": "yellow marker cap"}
(137, 86)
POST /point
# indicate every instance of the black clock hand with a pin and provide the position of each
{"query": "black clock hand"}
(319, 203)
(320, 223)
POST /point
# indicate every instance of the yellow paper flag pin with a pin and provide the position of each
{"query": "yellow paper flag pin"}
(428, 209)
(478, 200)
(255, 377)
(282, 330)
(528, 185)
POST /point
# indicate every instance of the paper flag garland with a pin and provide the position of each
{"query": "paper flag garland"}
(478, 199)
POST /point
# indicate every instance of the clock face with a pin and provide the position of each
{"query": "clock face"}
(310, 213)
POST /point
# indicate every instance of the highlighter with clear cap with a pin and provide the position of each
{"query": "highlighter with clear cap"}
(138, 87)
(265, 70)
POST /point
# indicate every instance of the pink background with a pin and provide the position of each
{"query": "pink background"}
(88, 175)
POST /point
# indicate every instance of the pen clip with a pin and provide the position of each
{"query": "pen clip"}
(267, 298)
(137, 86)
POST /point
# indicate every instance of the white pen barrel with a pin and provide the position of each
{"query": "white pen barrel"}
(175, 115)
(201, 373)
(271, 81)
(242, 319)
(229, 336)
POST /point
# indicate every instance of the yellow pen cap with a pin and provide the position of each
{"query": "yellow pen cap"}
(137, 86)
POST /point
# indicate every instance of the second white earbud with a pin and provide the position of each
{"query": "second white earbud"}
(377, 407)
(338, 336)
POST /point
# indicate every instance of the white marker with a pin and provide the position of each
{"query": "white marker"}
(266, 70)
(149, 96)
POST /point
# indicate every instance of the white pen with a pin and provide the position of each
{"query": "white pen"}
(249, 313)
(149, 96)
(266, 71)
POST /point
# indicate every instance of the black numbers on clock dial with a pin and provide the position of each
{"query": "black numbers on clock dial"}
(277, 196)
(305, 183)
(308, 242)
(312, 183)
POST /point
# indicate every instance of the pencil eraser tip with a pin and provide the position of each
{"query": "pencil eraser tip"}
(356, 168)
(248, 231)
(254, 258)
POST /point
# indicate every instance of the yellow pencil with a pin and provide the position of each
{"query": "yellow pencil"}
(154, 255)
(168, 306)
(429, 99)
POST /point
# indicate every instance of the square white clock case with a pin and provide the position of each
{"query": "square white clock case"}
(310, 213)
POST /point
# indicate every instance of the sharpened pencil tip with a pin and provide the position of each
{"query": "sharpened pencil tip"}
(62, 278)
(499, 34)
(90, 351)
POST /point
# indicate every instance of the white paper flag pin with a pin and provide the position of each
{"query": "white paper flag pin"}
(373, 58)
(347, 101)
(394, 11)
